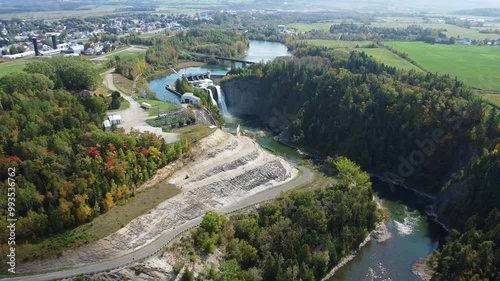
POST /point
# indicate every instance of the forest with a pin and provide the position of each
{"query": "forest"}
(418, 128)
(68, 169)
(356, 32)
(199, 44)
(299, 236)
(476, 217)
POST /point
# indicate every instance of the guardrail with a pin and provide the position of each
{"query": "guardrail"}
(165, 244)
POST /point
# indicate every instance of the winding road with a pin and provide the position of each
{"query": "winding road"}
(154, 247)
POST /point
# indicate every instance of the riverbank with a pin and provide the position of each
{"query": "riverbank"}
(159, 74)
(422, 270)
(347, 259)
(430, 212)
(379, 234)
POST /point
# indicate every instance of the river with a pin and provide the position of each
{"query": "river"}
(414, 235)
(257, 51)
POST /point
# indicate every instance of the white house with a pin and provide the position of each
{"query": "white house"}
(115, 119)
(190, 98)
(20, 55)
(107, 125)
(75, 49)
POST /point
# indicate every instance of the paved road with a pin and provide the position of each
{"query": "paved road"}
(305, 176)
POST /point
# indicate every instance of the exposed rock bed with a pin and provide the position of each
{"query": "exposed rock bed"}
(228, 169)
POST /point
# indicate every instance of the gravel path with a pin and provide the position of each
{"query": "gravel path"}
(134, 116)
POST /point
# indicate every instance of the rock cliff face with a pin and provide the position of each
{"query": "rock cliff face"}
(252, 96)
(243, 96)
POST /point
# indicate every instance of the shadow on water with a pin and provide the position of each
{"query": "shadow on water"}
(252, 126)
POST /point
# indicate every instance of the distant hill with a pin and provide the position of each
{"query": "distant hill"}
(15, 6)
(483, 12)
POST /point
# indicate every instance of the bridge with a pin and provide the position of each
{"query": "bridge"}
(233, 61)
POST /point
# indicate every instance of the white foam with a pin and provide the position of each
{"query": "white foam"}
(408, 225)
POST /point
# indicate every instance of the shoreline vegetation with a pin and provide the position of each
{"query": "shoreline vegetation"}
(294, 244)
(380, 234)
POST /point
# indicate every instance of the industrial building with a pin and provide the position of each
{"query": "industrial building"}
(190, 98)
(75, 49)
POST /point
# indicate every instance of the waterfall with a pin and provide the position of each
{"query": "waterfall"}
(222, 100)
(211, 96)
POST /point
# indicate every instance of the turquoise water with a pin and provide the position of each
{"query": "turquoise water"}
(257, 51)
(414, 236)
(158, 86)
(255, 126)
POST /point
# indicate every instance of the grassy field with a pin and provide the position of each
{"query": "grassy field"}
(123, 84)
(157, 105)
(382, 55)
(478, 66)
(452, 30)
(494, 99)
(389, 58)
(339, 44)
(12, 66)
(194, 133)
(101, 226)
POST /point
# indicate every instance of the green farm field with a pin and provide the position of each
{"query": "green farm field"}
(381, 54)
(477, 66)
(451, 30)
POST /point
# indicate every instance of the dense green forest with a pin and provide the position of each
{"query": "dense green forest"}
(73, 74)
(414, 128)
(476, 216)
(300, 236)
(68, 169)
(420, 126)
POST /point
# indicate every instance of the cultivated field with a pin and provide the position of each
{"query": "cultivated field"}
(478, 66)
(451, 30)
(383, 55)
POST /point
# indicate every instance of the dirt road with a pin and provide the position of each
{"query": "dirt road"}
(134, 116)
